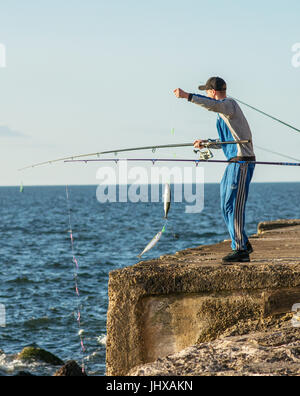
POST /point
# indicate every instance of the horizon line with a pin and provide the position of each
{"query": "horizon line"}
(142, 184)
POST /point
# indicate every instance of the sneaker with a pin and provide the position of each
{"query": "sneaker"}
(237, 256)
(249, 247)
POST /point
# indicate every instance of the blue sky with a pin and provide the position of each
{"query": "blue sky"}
(96, 75)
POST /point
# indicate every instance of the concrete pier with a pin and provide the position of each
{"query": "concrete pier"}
(160, 307)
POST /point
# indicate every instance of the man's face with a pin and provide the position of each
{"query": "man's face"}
(211, 93)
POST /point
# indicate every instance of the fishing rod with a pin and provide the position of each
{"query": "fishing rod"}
(116, 152)
(195, 161)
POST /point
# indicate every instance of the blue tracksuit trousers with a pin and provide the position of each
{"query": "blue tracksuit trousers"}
(234, 194)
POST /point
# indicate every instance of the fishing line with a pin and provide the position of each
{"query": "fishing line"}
(275, 119)
(274, 152)
(76, 270)
(267, 115)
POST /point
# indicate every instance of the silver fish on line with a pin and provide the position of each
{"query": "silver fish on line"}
(153, 242)
(167, 200)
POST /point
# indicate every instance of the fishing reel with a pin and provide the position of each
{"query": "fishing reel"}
(205, 154)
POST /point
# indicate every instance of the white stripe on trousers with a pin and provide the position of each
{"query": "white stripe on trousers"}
(240, 207)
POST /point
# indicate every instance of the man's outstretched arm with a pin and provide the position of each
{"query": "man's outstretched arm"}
(225, 107)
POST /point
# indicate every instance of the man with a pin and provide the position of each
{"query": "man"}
(231, 125)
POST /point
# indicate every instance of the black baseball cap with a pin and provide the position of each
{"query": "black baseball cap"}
(216, 83)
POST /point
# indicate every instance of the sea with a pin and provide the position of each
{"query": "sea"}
(38, 299)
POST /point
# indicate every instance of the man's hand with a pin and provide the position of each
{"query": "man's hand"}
(179, 93)
(198, 144)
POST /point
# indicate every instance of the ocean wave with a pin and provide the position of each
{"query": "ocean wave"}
(37, 322)
(21, 280)
(10, 365)
(102, 339)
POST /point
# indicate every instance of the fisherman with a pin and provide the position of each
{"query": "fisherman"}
(231, 125)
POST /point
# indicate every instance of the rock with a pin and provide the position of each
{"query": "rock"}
(35, 353)
(275, 352)
(24, 374)
(273, 225)
(70, 369)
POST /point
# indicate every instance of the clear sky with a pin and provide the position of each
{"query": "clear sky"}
(85, 76)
